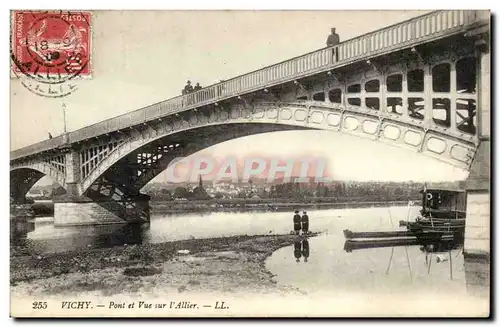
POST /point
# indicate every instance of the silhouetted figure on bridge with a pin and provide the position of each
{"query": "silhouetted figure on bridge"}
(50, 136)
(332, 40)
(197, 87)
(305, 223)
(188, 88)
(296, 223)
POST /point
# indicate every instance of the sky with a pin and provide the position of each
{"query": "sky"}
(142, 57)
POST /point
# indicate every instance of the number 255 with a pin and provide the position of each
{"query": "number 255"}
(39, 305)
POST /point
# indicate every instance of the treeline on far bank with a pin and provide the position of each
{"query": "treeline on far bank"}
(295, 192)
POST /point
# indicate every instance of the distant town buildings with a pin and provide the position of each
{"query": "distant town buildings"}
(260, 189)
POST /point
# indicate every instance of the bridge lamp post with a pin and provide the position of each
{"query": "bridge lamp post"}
(64, 116)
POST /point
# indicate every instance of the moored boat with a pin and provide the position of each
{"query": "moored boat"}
(443, 211)
(348, 234)
(428, 238)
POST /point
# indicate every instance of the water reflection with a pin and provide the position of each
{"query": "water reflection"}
(477, 275)
(301, 249)
(442, 246)
(109, 236)
(40, 235)
(411, 272)
(440, 251)
(19, 229)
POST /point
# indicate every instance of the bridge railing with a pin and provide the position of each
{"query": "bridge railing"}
(45, 145)
(403, 34)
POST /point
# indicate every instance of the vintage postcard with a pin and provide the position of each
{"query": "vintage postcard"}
(250, 163)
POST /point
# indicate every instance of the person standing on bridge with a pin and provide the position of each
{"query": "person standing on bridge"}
(305, 223)
(197, 87)
(332, 40)
(296, 222)
(188, 88)
(50, 136)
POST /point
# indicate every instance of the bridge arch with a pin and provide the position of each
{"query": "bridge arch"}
(24, 177)
(145, 158)
(144, 154)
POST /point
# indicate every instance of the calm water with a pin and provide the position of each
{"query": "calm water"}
(163, 228)
(321, 264)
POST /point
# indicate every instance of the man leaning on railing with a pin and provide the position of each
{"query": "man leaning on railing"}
(187, 90)
(197, 87)
(332, 40)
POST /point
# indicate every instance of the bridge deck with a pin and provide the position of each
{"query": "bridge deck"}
(422, 29)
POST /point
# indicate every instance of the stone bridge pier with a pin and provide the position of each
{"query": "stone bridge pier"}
(477, 185)
(107, 202)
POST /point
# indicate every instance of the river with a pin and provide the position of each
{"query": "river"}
(325, 267)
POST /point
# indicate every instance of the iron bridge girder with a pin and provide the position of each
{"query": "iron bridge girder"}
(453, 148)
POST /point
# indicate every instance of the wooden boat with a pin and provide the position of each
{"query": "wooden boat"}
(442, 221)
(350, 234)
(434, 222)
(424, 238)
(351, 245)
(442, 210)
(427, 225)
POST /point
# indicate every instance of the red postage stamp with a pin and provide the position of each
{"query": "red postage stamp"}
(51, 46)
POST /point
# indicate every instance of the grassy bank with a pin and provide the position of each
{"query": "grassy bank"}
(227, 264)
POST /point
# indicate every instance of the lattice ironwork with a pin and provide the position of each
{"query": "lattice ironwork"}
(153, 162)
(118, 198)
(91, 157)
(440, 93)
(57, 162)
(466, 113)
(117, 189)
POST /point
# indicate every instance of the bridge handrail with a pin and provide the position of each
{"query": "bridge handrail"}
(319, 60)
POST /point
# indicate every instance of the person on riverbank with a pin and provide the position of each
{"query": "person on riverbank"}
(296, 222)
(305, 223)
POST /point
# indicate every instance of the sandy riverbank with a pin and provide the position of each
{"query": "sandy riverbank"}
(226, 265)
